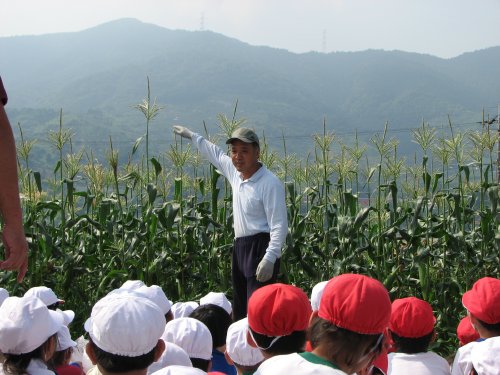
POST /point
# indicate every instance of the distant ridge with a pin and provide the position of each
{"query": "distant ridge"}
(98, 74)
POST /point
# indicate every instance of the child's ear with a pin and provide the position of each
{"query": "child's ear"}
(159, 349)
(89, 349)
(250, 341)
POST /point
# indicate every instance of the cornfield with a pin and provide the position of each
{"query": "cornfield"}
(427, 228)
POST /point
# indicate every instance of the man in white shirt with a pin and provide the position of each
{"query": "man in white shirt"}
(259, 211)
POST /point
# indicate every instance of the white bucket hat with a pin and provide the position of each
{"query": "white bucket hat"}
(125, 324)
(132, 284)
(25, 324)
(237, 347)
(191, 335)
(218, 299)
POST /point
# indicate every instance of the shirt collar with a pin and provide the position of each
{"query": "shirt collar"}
(257, 175)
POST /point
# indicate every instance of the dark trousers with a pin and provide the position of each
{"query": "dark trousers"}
(247, 253)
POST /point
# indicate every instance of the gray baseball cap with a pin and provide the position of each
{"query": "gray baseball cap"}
(245, 135)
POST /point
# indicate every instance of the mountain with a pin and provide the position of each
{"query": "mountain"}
(97, 75)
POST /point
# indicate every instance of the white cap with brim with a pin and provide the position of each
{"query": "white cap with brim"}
(173, 355)
(46, 294)
(316, 294)
(191, 335)
(25, 324)
(218, 299)
(155, 293)
(183, 309)
(64, 340)
(237, 346)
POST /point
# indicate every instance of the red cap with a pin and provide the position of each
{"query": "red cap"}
(278, 310)
(357, 303)
(483, 300)
(466, 332)
(411, 317)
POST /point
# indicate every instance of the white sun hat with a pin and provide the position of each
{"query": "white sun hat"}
(183, 309)
(156, 294)
(173, 355)
(132, 284)
(179, 370)
(191, 335)
(218, 299)
(25, 324)
(237, 346)
(125, 324)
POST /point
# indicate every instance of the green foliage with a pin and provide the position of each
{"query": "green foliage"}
(428, 229)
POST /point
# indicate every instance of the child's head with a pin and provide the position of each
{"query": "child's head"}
(466, 332)
(64, 348)
(217, 321)
(483, 305)
(27, 331)
(353, 315)
(194, 337)
(412, 325)
(238, 350)
(125, 331)
(278, 317)
(156, 294)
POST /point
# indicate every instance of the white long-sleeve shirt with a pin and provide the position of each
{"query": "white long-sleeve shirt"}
(258, 202)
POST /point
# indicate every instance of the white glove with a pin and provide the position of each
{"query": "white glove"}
(182, 131)
(264, 270)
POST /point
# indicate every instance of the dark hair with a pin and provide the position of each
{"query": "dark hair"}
(409, 345)
(490, 327)
(54, 306)
(119, 363)
(202, 364)
(60, 357)
(292, 343)
(345, 348)
(246, 369)
(16, 364)
(216, 319)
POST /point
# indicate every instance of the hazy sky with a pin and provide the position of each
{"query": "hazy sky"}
(444, 28)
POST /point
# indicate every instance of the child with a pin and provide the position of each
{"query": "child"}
(412, 330)
(218, 299)
(245, 358)
(278, 317)
(194, 337)
(28, 335)
(466, 332)
(125, 331)
(485, 357)
(61, 358)
(483, 309)
(217, 321)
(353, 314)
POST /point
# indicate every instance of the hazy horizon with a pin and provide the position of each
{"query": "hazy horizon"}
(444, 29)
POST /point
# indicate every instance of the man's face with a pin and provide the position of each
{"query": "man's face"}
(245, 157)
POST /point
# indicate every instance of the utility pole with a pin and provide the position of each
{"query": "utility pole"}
(202, 21)
(498, 141)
